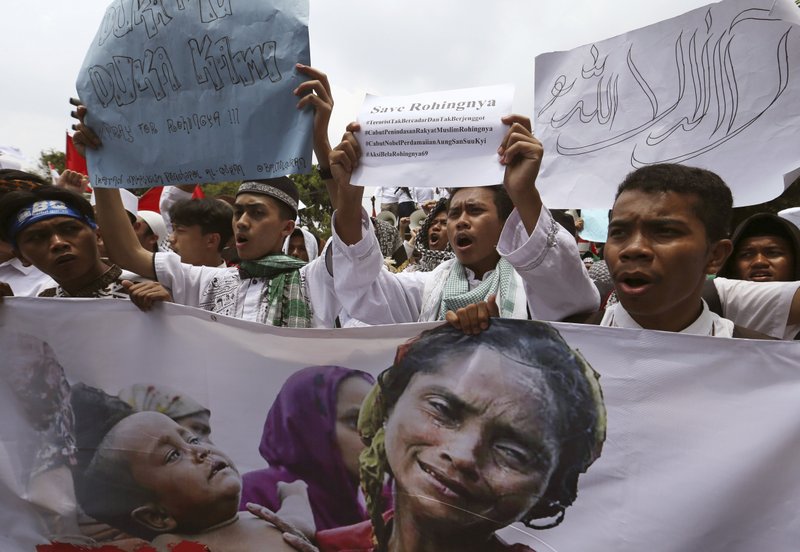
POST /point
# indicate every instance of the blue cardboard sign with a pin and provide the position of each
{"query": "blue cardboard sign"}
(197, 91)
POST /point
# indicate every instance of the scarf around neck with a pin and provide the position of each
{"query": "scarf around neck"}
(287, 304)
(501, 282)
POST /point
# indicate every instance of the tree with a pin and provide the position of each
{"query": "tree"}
(314, 194)
(57, 158)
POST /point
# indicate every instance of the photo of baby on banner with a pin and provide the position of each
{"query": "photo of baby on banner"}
(461, 436)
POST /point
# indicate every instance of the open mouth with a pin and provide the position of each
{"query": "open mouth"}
(445, 485)
(240, 240)
(433, 239)
(634, 284)
(463, 241)
(217, 467)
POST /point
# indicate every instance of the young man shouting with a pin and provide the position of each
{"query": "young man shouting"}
(505, 244)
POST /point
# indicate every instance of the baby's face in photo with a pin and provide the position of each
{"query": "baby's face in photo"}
(196, 483)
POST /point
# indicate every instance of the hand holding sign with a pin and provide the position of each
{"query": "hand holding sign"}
(344, 159)
(521, 154)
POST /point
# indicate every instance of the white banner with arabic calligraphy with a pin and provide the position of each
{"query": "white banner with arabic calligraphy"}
(701, 450)
(717, 88)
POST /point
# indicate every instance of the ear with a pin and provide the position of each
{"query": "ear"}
(718, 252)
(212, 241)
(155, 518)
(288, 228)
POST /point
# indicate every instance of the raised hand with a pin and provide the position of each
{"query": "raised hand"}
(317, 94)
(84, 136)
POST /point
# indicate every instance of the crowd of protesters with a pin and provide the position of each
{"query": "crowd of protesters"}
(465, 255)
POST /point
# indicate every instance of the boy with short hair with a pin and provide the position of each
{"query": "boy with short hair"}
(268, 287)
(668, 230)
(54, 230)
(201, 229)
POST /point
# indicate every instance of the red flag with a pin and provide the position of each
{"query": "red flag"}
(150, 199)
(75, 161)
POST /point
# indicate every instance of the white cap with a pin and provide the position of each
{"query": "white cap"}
(129, 201)
(792, 214)
(156, 223)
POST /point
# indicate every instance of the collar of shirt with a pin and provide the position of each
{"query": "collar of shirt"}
(708, 323)
(473, 281)
(17, 265)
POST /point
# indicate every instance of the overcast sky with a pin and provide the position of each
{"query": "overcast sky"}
(390, 47)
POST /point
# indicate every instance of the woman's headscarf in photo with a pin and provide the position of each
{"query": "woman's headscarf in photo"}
(161, 398)
(535, 344)
(299, 442)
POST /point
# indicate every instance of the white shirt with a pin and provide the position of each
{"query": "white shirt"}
(222, 291)
(708, 323)
(554, 282)
(760, 306)
(422, 195)
(25, 281)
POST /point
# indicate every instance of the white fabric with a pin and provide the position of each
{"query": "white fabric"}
(159, 227)
(422, 195)
(385, 195)
(708, 323)
(222, 291)
(760, 306)
(392, 195)
(555, 283)
(25, 281)
(169, 196)
(312, 247)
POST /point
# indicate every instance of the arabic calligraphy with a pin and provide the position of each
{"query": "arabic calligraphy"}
(694, 104)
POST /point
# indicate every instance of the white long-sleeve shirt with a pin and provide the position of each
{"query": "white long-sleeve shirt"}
(554, 282)
(223, 291)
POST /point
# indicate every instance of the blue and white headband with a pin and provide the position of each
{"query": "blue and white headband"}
(43, 210)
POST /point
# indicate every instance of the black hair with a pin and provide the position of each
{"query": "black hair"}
(13, 202)
(13, 180)
(580, 418)
(565, 219)
(714, 201)
(213, 217)
(502, 201)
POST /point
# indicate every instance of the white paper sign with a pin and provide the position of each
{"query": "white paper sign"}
(446, 139)
(715, 88)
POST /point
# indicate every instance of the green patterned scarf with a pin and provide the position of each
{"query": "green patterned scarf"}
(287, 305)
(457, 295)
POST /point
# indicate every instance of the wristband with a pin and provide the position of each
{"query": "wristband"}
(325, 173)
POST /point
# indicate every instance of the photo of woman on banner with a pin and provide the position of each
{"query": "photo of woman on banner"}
(477, 432)
(310, 435)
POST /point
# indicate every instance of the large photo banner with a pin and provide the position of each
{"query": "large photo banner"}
(197, 92)
(715, 88)
(113, 420)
